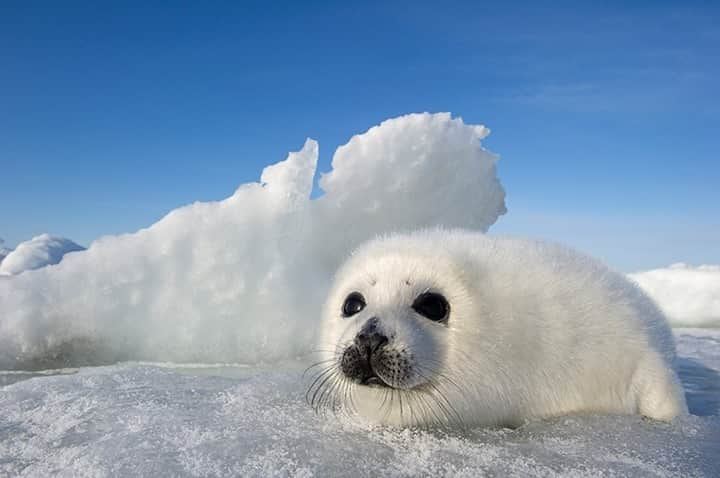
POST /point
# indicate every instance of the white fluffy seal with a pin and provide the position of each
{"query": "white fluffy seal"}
(457, 328)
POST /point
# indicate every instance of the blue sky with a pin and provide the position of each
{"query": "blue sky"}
(606, 114)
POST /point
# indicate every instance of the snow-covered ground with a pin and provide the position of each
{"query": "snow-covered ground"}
(164, 420)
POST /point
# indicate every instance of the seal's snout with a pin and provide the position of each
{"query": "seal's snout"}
(370, 338)
(359, 357)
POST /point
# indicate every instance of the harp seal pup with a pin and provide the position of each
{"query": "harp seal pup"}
(454, 328)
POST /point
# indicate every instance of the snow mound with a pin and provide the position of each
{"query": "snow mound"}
(689, 296)
(243, 279)
(132, 420)
(40, 251)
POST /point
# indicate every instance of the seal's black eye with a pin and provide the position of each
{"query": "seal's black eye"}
(432, 305)
(354, 303)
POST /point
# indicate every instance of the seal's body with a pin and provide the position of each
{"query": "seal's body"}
(445, 328)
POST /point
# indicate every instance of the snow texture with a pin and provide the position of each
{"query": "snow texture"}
(689, 296)
(243, 279)
(165, 420)
(40, 251)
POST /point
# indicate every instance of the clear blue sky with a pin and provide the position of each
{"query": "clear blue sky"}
(606, 114)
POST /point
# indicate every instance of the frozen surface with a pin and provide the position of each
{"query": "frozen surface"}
(38, 252)
(242, 279)
(689, 296)
(162, 420)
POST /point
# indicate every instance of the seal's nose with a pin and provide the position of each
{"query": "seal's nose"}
(370, 338)
(358, 358)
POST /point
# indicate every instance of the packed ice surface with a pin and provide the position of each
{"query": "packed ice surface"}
(689, 296)
(39, 251)
(165, 420)
(242, 279)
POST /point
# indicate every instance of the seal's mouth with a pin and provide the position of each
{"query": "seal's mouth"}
(360, 365)
(374, 381)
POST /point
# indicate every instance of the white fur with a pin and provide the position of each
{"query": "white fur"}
(535, 330)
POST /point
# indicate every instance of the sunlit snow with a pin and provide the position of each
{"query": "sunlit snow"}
(242, 280)
(689, 296)
(40, 251)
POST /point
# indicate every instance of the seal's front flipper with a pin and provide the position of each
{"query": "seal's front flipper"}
(659, 393)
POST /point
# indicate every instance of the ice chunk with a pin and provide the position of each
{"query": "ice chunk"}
(242, 279)
(39, 251)
(689, 296)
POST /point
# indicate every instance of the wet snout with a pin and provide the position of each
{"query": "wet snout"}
(357, 359)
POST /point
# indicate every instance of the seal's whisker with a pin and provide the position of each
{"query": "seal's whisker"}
(337, 392)
(316, 364)
(442, 375)
(441, 399)
(391, 392)
(329, 397)
(331, 389)
(347, 398)
(415, 408)
(319, 388)
(429, 410)
(320, 375)
(326, 398)
(315, 379)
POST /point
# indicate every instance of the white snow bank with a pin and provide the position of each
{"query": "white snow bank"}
(40, 251)
(253, 421)
(689, 296)
(242, 280)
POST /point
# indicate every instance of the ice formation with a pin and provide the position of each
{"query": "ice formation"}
(689, 296)
(242, 279)
(38, 252)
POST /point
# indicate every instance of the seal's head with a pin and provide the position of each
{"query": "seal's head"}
(387, 333)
